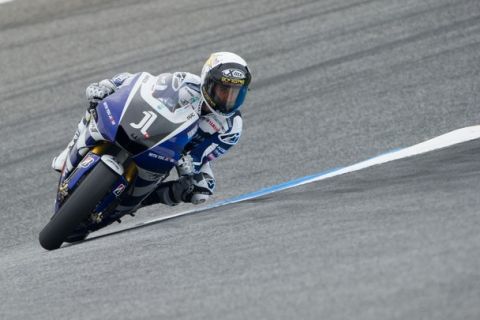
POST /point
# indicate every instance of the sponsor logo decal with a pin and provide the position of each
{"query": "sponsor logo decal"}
(109, 114)
(231, 138)
(87, 162)
(233, 81)
(192, 132)
(160, 157)
(233, 73)
(211, 184)
(118, 191)
(213, 124)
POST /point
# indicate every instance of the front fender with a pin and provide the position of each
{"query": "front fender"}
(113, 164)
(90, 160)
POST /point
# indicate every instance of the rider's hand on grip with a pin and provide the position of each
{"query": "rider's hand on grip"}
(97, 91)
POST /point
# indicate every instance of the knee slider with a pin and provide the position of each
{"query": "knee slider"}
(203, 186)
(198, 198)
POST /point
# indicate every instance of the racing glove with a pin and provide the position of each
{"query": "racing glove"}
(97, 91)
(185, 166)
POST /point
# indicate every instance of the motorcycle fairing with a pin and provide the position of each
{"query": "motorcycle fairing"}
(154, 135)
(110, 109)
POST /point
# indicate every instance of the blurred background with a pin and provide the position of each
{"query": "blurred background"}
(334, 82)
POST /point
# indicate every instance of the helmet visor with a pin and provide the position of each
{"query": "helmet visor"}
(224, 96)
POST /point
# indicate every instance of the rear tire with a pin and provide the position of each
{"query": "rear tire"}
(78, 206)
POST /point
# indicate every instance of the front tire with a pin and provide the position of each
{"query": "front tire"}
(78, 207)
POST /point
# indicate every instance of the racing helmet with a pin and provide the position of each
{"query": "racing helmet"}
(224, 83)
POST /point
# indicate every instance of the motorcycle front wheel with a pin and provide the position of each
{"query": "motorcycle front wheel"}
(78, 207)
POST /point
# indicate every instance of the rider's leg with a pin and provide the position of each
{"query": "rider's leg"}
(60, 160)
(195, 189)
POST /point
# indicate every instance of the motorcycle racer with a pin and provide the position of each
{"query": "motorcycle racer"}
(216, 95)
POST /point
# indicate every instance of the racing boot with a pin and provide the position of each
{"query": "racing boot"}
(195, 189)
(169, 193)
(59, 161)
(94, 93)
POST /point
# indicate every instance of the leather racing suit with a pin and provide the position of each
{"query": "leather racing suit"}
(214, 137)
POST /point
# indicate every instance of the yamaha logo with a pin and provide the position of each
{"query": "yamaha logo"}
(233, 73)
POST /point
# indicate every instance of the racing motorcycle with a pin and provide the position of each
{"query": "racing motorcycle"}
(133, 140)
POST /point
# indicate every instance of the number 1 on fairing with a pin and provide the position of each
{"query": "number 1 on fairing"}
(145, 123)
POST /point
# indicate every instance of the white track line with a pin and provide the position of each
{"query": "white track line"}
(440, 142)
(5, 1)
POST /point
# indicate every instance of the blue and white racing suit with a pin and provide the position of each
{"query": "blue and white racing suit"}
(214, 137)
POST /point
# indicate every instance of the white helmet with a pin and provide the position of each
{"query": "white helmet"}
(224, 82)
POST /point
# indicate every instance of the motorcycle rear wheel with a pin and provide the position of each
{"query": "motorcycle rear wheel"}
(78, 207)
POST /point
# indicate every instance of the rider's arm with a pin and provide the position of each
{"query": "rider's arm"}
(211, 142)
(98, 90)
(122, 78)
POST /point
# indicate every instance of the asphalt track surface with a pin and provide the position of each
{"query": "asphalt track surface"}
(335, 83)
